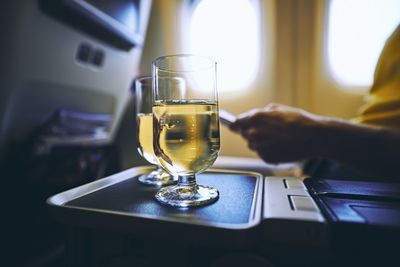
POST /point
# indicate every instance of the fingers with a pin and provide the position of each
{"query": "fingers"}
(248, 113)
(266, 151)
(258, 133)
(277, 132)
(241, 120)
(253, 116)
(249, 119)
(272, 152)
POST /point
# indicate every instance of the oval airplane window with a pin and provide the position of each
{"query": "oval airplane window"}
(228, 31)
(357, 31)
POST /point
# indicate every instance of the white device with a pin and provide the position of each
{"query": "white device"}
(226, 117)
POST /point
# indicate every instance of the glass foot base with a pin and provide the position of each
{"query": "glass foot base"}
(158, 177)
(187, 196)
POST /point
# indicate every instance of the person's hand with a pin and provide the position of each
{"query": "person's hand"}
(279, 133)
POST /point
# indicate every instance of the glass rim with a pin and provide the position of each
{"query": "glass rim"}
(213, 63)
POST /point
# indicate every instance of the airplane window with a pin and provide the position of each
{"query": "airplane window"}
(228, 31)
(357, 31)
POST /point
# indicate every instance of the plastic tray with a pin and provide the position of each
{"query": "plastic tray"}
(121, 203)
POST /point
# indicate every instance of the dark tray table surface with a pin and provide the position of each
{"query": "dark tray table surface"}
(238, 207)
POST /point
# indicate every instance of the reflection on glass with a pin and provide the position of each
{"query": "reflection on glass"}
(144, 117)
(186, 127)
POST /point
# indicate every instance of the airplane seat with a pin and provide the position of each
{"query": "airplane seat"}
(66, 70)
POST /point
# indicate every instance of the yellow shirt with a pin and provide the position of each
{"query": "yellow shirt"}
(383, 102)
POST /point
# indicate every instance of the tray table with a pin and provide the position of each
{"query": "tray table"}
(121, 203)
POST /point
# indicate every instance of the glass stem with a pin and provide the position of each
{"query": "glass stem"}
(188, 181)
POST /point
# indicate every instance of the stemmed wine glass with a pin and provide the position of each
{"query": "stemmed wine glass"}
(186, 126)
(144, 118)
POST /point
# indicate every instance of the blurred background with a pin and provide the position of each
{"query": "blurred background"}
(317, 55)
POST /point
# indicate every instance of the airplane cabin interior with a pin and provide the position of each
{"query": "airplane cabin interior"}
(200, 133)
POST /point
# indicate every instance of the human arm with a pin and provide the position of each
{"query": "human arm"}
(279, 133)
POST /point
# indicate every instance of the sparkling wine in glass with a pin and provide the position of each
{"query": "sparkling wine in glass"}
(144, 118)
(186, 127)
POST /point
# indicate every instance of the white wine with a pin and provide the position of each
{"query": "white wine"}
(186, 135)
(145, 137)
